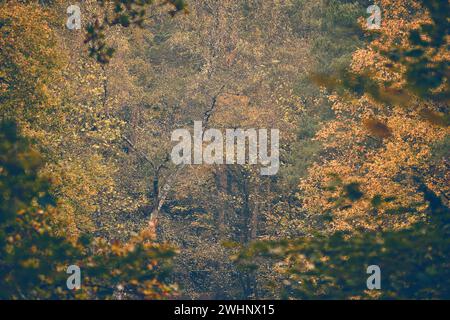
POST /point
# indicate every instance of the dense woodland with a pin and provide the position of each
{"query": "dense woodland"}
(86, 179)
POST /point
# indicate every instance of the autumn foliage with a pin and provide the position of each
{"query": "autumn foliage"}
(86, 177)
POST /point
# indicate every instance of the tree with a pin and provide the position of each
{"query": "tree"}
(378, 190)
(33, 260)
(376, 148)
(47, 222)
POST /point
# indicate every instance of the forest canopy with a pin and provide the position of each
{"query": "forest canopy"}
(93, 95)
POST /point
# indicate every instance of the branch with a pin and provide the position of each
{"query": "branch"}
(140, 153)
(168, 184)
